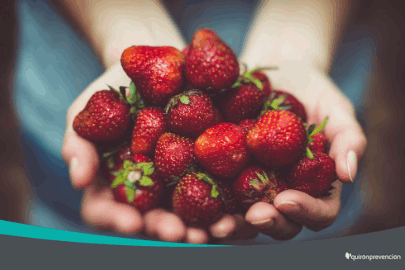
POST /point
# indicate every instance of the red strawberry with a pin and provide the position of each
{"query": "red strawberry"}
(150, 124)
(256, 184)
(185, 51)
(156, 71)
(245, 99)
(222, 150)
(210, 64)
(313, 176)
(174, 155)
(320, 143)
(106, 117)
(277, 139)
(111, 159)
(316, 140)
(267, 89)
(218, 118)
(190, 113)
(247, 124)
(136, 183)
(280, 100)
(197, 200)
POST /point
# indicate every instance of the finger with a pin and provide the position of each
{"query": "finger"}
(196, 236)
(224, 227)
(99, 210)
(348, 141)
(271, 222)
(82, 159)
(314, 213)
(244, 229)
(80, 154)
(151, 221)
(165, 226)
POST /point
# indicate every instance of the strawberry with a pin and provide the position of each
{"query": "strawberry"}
(174, 156)
(313, 176)
(267, 89)
(185, 51)
(316, 140)
(111, 160)
(135, 182)
(106, 117)
(198, 200)
(210, 65)
(277, 139)
(256, 184)
(158, 72)
(222, 150)
(218, 118)
(246, 97)
(150, 124)
(281, 100)
(190, 113)
(247, 124)
(319, 143)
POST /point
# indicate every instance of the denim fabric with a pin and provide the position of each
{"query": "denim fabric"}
(54, 65)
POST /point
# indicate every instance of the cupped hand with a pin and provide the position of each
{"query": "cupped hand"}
(291, 209)
(99, 209)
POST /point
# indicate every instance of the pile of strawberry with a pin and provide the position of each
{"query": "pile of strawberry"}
(192, 135)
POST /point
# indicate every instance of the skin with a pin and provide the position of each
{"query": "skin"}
(302, 70)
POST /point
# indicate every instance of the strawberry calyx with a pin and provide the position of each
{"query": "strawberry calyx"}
(206, 178)
(175, 179)
(133, 175)
(182, 97)
(311, 131)
(134, 99)
(248, 77)
(273, 103)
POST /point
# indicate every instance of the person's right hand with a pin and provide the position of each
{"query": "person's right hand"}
(99, 209)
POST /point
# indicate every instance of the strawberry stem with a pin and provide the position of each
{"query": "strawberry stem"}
(309, 153)
(320, 127)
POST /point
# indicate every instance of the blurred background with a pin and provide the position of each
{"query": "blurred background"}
(46, 64)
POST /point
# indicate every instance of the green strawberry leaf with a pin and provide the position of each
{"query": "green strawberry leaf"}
(214, 191)
(130, 184)
(121, 177)
(113, 89)
(320, 127)
(111, 163)
(205, 177)
(130, 195)
(275, 104)
(255, 183)
(257, 82)
(173, 181)
(146, 167)
(236, 84)
(145, 181)
(133, 94)
(184, 99)
(127, 164)
(190, 168)
(264, 178)
(309, 153)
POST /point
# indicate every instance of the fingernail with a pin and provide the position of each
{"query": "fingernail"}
(288, 207)
(220, 235)
(265, 224)
(73, 166)
(351, 162)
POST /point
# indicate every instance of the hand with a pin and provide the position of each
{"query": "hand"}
(98, 206)
(293, 209)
